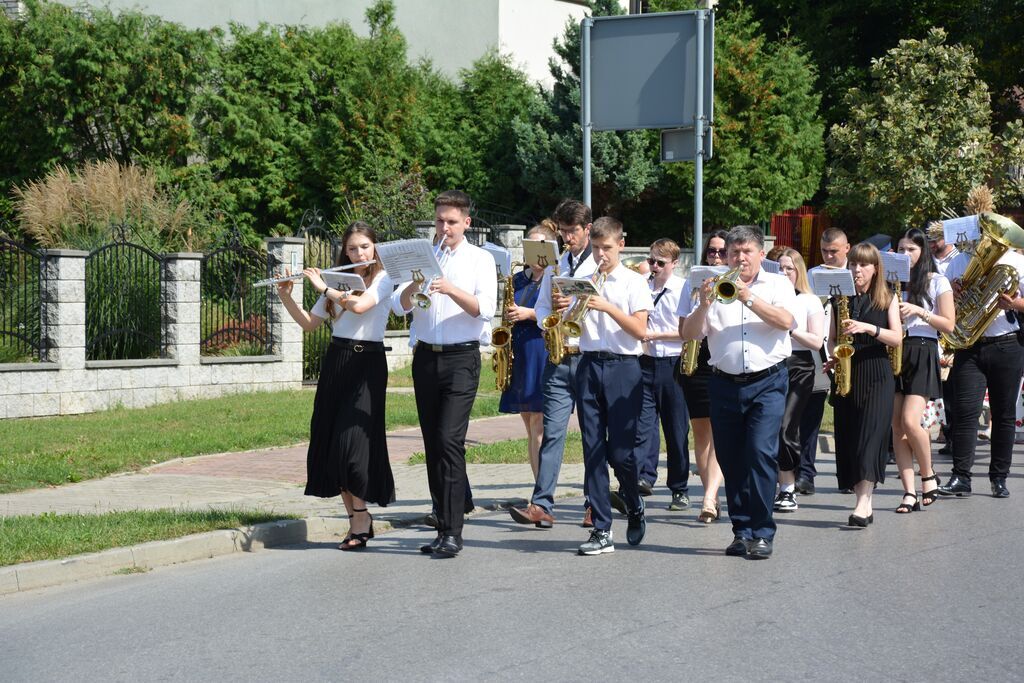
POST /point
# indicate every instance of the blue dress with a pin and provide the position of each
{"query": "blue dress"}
(525, 393)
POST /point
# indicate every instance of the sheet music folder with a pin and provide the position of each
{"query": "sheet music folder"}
(404, 259)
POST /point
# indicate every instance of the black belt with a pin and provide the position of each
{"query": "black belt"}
(608, 355)
(651, 360)
(995, 340)
(358, 345)
(448, 348)
(917, 339)
(748, 377)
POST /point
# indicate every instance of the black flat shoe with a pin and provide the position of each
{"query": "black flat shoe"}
(448, 546)
(429, 547)
(738, 547)
(999, 489)
(759, 549)
(862, 522)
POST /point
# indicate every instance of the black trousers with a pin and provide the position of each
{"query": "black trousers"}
(998, 365)
(801, 385)
(445, 384)
(810, 424)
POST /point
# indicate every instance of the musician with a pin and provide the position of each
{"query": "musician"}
(749, 343)
(996, 360)
(695, 391)
(862, 416)
(348, 451)
(662, 395)
(446, 361)
(943, 254)
(574, 221)
(835, 248)
(926, 310)
(807, 339)
(608, 386)
(525, 392)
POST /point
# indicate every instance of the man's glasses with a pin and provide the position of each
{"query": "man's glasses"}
(657, 261)
(720, 253)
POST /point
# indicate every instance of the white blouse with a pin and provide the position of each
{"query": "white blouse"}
(938, 284)
(368, 326)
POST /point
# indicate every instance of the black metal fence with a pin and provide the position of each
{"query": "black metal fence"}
(123, 295)
(234, 316)
(21, 306)
(320, 250)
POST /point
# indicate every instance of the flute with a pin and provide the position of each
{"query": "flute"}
(291, 278)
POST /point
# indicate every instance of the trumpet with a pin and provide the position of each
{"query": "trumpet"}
(573, 322)
(725, 288)
(422, 297)
(554, 341)
(296, 278)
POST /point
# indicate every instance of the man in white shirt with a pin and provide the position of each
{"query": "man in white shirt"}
(943, 254)
(446, 361)
(749, 343)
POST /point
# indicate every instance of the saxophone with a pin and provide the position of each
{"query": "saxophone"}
(501, 338)
(896, 352)
(572, 326)
(691, 349)
(843, 350)
(984, 280)
(554, 340)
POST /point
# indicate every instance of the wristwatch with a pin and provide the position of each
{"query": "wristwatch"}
(749, 303)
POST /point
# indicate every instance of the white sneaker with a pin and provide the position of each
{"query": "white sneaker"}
(785, 502)
(600, 542)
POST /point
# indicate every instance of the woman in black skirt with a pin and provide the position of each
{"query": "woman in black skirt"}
(348, 452)
(695, 392)
(926, 310)
(861, 417)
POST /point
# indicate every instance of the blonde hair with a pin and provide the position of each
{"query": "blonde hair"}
(547, 229)
(866, 254)
(803, 285)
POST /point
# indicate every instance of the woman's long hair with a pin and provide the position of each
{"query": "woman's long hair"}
(720, 234)
(921, 273)
(878, 291)
(803, 285)
(341, 257)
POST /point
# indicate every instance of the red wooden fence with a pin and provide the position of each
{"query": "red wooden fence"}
(801, 229)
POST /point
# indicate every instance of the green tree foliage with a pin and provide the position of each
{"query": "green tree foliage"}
(918, 138)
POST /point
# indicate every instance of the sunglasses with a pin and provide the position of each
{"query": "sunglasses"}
(721, 253)
(657, 261)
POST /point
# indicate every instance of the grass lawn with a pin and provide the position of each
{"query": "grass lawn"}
(50, 451)
(49, 536)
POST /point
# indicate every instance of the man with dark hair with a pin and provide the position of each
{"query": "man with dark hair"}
(749, 342)
(446, 361)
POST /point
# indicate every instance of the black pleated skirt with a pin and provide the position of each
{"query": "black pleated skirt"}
(863, 419)
(920, 373)
(348, 448)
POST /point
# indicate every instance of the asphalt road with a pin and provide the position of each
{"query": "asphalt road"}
(935, 595)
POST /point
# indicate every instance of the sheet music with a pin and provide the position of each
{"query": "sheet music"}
(896, 266)
(837, 282)
(770, 266)
(542, 253)
(344, 282)
(575, 286)
(698, 274)
(958, 230)
(402, 258)
(502, 258)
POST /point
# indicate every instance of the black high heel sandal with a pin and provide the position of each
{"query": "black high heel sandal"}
(357, 541)
(929, 497)
(903, 508)
(862, 522)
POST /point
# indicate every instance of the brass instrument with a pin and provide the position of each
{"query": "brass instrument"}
(633, 263)
(554, 341)
(299, 276)
(843, 350)
(501, 337)
(984, 280)
(724, 286)
(572, 325)
(422, 297)
(691, 348)
(896, 352)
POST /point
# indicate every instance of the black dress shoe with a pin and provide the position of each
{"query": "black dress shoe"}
(431, 519)
(957, 486)
(448, 546)
(759, 549)
(645, 488)
(999, 489)
(855, 520)
(738, 547)
(804, 486)
(946, 449)
(430, 547)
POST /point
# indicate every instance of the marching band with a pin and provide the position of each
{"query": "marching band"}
(745, 357)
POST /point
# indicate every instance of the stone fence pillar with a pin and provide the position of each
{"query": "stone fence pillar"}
(63, 299)
(510, 237)
(286, 336)
(181, 306)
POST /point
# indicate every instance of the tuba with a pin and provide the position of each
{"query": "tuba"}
(896, 352)
(551, 326)
(984, 280)
(843, 350)
(501, 338)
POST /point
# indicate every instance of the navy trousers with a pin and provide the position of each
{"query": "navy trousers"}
(608, 393)
(663, 397)
(745, 423)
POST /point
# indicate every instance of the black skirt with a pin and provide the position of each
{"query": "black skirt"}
(863, 419)
(695, 386)
(920, 372)
(348, 449)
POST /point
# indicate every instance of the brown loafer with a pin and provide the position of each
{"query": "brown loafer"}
(588, 519)
(533, 514)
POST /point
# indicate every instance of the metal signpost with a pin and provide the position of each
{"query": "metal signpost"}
(651, 71)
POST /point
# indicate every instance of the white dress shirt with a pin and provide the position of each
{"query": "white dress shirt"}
(941, 264)
(914, 325)
(471, 269)
(629, 292)
(368, 326)
(999, 325)
(663, 318)
(585, 268)
(807, 305)
(739, 341)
